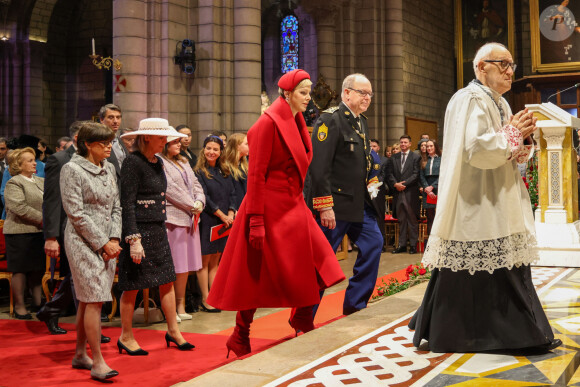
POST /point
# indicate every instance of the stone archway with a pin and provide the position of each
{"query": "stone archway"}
(39, 20)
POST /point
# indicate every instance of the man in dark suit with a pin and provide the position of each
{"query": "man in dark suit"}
(111, 116)
(338, 190)
(403, 177)
(54, 219)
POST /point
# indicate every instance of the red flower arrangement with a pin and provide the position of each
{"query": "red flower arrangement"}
(414, 274)
(531, 181)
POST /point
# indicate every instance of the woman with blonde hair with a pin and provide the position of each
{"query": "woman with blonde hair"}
(236, 162)
(396, 148)
(185, 201)
(220, 199)
(277, 256)
(146, 260)
(23, 229)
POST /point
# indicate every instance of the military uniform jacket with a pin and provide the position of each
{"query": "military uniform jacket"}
(340, 164)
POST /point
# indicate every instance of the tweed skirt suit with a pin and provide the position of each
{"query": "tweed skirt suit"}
(90, 197)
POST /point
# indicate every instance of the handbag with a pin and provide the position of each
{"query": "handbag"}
(155, 314)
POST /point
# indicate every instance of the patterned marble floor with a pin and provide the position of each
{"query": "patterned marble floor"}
(387, 357)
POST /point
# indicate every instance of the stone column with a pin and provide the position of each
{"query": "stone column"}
(326, 21)
(247, 47)
(393, 84)
(552, 183)
(131, 25)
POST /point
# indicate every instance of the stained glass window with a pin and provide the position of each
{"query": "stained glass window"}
(289, 43)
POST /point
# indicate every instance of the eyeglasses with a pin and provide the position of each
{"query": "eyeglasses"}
(362, 93)
(503, 64)
(105, 144)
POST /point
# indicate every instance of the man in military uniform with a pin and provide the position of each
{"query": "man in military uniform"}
(339, 186)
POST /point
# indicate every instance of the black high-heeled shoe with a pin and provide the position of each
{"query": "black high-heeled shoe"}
(103, 377)
(208, 310)
(26, 316)
(182, 347)
(137, 352)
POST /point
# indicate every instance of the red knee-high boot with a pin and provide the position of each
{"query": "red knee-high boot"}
(239, 341)
(301, 319)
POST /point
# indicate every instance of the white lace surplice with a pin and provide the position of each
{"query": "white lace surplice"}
(484, 219)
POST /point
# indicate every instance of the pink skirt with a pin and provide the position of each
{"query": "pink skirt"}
(185, 248)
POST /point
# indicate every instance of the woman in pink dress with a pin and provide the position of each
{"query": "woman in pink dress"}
(185, 201)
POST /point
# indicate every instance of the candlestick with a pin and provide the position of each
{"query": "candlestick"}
(93, 44)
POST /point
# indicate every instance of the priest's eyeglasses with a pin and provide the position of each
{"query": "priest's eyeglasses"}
(503, 64)
(362, 93)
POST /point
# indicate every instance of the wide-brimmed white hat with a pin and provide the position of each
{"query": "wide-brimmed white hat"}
(174, 134)
(156, 127)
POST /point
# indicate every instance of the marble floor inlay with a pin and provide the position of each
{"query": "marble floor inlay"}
(387, 357)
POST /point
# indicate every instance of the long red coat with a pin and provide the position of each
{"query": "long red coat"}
(296, 260)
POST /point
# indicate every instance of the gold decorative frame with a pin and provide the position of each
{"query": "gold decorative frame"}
(540, 44)
(322, 94)
(465, 58)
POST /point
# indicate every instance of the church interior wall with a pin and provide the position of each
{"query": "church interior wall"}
(429, 69)
(47, 80)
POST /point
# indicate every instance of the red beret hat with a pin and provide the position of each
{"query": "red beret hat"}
(292, 78)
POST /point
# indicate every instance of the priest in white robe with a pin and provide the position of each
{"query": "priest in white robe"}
(480, 296)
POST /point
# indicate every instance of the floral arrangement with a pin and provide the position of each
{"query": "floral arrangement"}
(531, 180)
(415, 274)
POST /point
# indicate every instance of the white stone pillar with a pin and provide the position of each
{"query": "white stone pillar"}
(247, 47)
(130, 45)
(555, 212)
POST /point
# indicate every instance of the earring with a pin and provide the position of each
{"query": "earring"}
(288, 99)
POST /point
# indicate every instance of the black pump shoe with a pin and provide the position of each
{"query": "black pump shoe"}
(137, 352)
(208, 310)
(554, 344)
(26, 316)
(182, 347)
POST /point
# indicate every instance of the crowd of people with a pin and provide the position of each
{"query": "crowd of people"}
(140, 203)
(136, 197)
(411, 179)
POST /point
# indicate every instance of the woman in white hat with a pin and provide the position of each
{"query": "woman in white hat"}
(146, 260)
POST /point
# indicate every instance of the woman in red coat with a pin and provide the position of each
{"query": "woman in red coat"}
(276, 255)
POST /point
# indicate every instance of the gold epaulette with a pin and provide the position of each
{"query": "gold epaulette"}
(322, 202)
(331, 110)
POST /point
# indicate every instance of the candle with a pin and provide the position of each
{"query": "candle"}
(93, 42)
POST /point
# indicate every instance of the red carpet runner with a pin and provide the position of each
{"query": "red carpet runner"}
(31, 357)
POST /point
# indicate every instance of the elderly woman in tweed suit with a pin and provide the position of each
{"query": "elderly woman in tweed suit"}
(185, 201)
(23, 229)
(90, 198)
